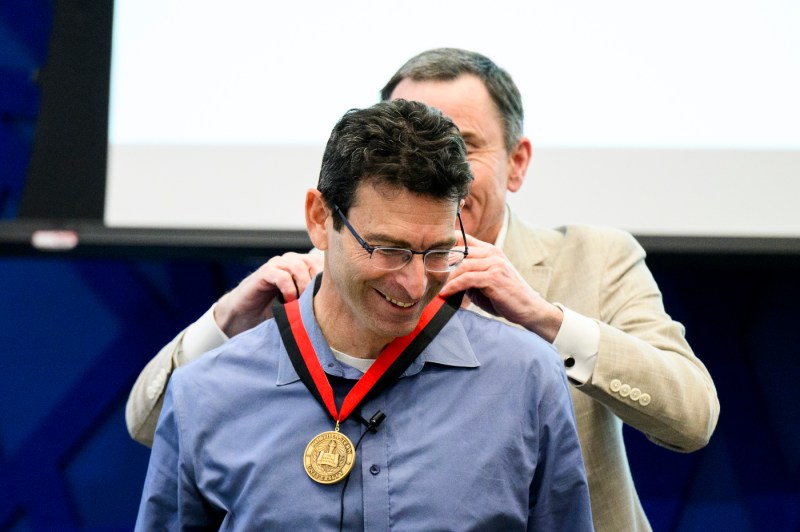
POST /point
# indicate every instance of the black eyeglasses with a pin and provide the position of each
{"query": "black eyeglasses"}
(389, 258)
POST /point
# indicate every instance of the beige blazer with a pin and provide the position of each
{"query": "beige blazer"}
(646, 375)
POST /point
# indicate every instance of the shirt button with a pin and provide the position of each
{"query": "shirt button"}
(625, 390)
(615, 385)
(569, 362)
(636, 393)
(644, 400)
(374, 469)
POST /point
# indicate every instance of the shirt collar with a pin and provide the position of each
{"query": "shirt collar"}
(501, 236)
(451, 347)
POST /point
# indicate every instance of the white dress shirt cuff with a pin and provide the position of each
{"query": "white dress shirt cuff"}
(577, 342)
(201, 336)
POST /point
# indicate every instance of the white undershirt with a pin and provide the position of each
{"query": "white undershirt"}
(361, 364)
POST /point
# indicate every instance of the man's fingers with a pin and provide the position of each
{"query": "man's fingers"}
(292, 273)
(285, 283)
(471, 240)
(486, 270)
(462, 280)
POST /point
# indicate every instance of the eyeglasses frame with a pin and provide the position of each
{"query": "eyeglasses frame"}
(371, 249)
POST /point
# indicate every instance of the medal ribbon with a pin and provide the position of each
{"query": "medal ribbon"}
(390, 364)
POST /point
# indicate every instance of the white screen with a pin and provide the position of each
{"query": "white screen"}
(663, 118)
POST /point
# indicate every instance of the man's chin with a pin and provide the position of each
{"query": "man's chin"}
(397, 328)
(401, 322)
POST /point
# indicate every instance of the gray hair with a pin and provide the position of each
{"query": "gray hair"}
(445, 64)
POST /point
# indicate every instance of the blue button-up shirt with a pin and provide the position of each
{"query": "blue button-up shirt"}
(479, 435)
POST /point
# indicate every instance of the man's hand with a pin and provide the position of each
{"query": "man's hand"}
(493, 284)
(250, 302)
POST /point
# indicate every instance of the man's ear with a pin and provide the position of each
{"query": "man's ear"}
(317, 214)
(518, 161)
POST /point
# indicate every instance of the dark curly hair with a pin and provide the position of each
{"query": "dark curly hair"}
(399, 143)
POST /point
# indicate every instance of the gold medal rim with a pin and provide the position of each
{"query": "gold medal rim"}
(346, 468)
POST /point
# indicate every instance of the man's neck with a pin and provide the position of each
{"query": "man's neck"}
(341, 334)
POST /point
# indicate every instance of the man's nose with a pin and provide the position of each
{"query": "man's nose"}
(413, 277)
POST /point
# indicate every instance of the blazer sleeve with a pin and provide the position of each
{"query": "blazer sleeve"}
(147, 395)
(145, 399)
(646, 373)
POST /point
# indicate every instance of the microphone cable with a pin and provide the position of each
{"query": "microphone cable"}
(372, 426)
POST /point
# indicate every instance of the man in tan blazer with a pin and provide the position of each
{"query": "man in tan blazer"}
(585, 289)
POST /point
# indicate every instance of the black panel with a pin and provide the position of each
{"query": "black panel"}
(66, 178)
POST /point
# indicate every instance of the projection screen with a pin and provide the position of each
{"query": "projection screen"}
(669, 118)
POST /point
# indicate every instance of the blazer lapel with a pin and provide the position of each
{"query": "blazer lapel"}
(528, 254)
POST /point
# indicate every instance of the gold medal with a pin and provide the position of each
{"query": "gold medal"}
(329, 457)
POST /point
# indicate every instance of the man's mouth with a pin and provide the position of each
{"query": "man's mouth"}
(397, 303)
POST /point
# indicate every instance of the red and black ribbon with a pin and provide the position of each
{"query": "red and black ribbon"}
(387, 368)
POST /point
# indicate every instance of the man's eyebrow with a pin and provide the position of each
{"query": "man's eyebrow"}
(470, 137)
(379, 239)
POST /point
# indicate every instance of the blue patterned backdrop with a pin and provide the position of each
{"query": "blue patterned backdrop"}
(74, 334)
(24, 32)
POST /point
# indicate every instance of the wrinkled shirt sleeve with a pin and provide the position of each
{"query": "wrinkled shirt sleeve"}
(559, 491)
(170, 500)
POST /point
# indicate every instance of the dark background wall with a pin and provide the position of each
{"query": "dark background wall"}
(75, 331)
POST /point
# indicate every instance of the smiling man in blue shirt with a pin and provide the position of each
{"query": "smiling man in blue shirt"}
(470, 420)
